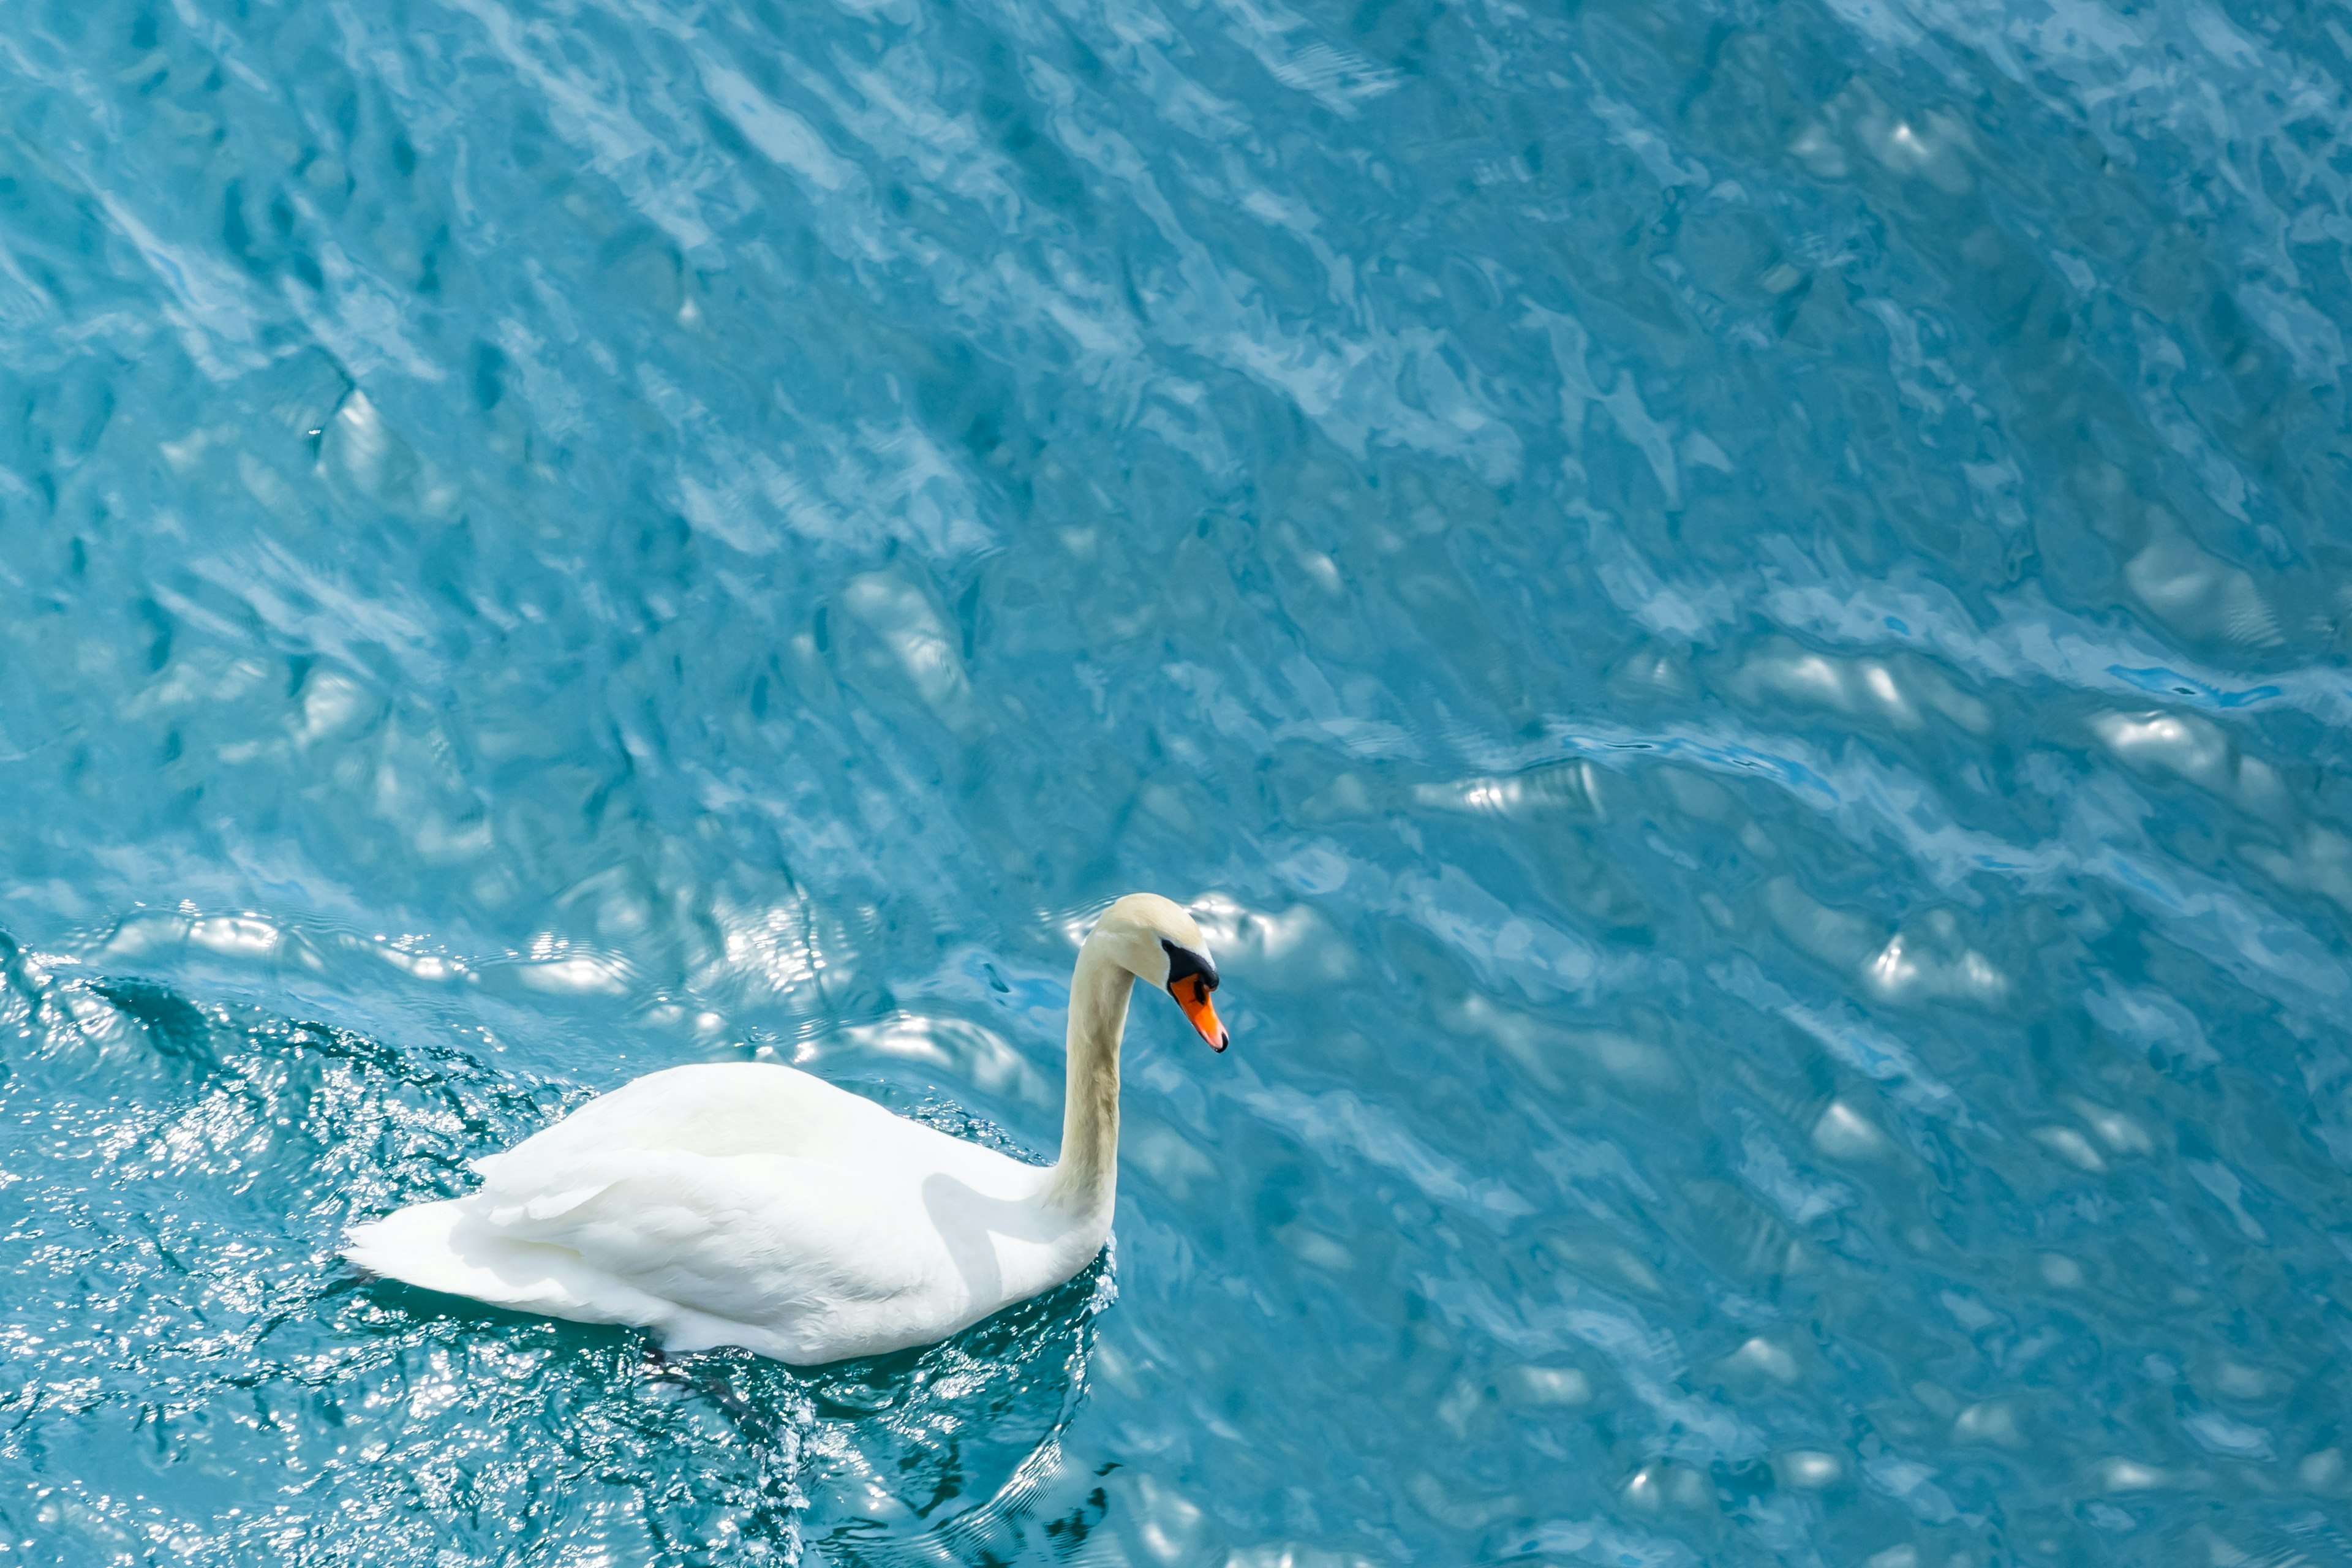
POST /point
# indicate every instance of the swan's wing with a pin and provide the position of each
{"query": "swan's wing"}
(750, 1238)
(751, 1194)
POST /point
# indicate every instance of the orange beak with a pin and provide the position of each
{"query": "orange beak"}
(1191, 994)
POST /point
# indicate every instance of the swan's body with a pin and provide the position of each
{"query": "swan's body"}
(750, 1204)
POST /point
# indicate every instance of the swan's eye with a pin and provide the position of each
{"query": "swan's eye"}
(1184, 964)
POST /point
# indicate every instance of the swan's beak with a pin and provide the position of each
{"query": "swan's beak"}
(1191, 994)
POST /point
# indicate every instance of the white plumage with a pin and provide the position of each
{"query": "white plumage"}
(751, 1204)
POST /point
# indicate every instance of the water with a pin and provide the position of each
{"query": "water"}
(1735, 615)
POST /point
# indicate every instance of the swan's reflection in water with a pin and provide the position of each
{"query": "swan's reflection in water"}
(950, 1452)
(180, 1171)
(953, 1453)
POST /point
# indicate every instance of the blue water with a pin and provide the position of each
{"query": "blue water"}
(1735, 613)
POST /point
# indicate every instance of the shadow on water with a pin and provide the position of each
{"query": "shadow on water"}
(191, 1308)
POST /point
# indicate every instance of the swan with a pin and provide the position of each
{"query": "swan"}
(751, 1204)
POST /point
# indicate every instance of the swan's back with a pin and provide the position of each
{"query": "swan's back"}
(716, 1108)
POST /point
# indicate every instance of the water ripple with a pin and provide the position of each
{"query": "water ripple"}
(1737, 618)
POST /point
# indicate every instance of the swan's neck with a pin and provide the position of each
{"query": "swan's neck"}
(1085, 1177)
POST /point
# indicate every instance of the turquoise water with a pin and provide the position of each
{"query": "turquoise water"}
(1735, 615)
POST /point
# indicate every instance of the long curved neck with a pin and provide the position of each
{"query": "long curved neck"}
(1087, 1175)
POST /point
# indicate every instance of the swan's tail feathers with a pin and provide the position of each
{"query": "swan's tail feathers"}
(446, 1246)
(417, 1245)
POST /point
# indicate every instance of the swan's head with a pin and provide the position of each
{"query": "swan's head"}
(1153, 939)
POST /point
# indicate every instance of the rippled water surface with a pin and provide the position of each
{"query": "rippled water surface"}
(1733, 613)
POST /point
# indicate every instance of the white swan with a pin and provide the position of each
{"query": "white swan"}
(750, 1204)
